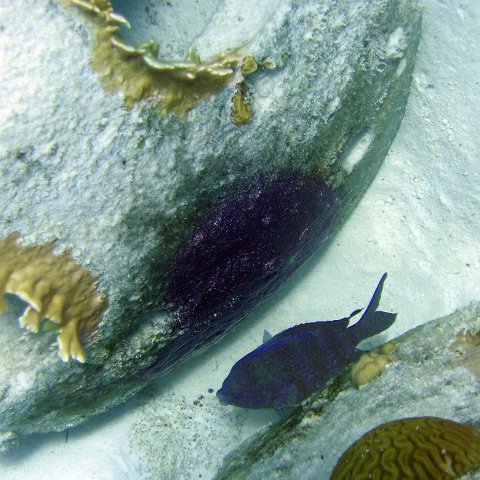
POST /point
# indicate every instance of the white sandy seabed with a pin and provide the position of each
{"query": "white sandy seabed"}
(419, 221)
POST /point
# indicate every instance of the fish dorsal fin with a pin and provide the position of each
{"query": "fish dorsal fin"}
(266, 336)
(326, 327)
(354, 313)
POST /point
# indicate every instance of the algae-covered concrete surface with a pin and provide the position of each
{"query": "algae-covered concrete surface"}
(418, 221)
(148, 201)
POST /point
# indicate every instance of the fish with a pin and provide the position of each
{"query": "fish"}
(298, 361)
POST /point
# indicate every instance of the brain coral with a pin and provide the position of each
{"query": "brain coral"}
(55, 287)
(412, 448)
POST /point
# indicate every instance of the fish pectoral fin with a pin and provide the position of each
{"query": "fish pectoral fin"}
(266, 336)
(288, 398)
(284, 411)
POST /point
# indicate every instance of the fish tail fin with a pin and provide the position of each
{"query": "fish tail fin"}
(372, 321)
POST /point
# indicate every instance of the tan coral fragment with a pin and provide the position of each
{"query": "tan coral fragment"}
(55, 287)
(249, 65)
(176, 86)
(371, 364)
(241, 107)
(467, 351)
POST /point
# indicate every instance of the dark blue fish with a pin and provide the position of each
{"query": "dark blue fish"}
(300, 360)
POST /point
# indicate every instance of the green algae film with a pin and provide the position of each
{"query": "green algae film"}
(422, 448)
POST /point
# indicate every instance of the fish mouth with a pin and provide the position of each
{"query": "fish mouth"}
(224, 400)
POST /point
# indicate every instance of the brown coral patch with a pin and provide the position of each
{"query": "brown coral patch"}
(249, 65)
(422, 448)
(241, 106)
(371, 364)
(55, 287)
(174, 86)
(467, 350)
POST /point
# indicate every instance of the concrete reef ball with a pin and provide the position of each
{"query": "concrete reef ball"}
(247, 245)
(421, 448)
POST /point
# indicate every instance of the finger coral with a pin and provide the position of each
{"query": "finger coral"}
(421, 448)
(55, 287)
(177, 86)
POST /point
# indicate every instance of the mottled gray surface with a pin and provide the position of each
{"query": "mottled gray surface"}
(114, 186)
(171, 439)
(432, 375)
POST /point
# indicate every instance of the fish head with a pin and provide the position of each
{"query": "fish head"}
(228, 397)
(243, 389)
(263, 378)
(257, 392)
(240, 395)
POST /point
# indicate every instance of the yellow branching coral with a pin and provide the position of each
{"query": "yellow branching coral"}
(55, 287)
(419, 448)
(176, 86)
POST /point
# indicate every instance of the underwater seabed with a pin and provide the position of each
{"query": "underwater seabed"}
(418, 221)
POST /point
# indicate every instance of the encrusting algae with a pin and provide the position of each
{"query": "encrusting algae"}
(175, 86)
(421, 448)
(55, 287)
